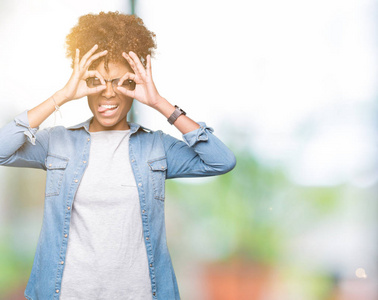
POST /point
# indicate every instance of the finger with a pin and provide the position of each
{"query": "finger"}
(94, 57)
(126, 92)
(149, 70)
(88, 54)
(96, 90)
(95, 73)
(128, 75)
(131, 63)
(77, 60)
(138, 63)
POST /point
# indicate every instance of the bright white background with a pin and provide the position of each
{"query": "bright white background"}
(296, 79)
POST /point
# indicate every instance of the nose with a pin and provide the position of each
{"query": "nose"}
(108, 92)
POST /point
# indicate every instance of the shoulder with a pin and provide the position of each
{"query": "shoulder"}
(62, 132)
(154, 134)
(144, 131)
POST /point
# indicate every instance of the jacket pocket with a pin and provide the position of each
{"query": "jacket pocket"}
(55, 166)
(158, 169)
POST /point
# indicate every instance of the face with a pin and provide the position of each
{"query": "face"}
(110, 107)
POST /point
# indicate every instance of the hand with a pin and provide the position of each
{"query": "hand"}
(76, 86)
(145, 90)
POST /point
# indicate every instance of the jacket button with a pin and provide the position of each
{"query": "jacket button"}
(84, 162)
(147, 238)
(154, 293)
(151, 265)
(139, 184)
(50, 165)
(62, 262)
(88, 139)
(76, 180)
(143, 211)
(132, 160)
(65, 235)
(57, 291)
(68, 208)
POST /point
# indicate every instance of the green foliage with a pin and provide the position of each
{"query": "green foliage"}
(247, 212)
(15, 268)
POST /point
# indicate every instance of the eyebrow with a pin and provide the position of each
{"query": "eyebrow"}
(112, 79)
(106, 79)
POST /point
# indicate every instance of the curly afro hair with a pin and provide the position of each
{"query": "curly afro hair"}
(111, 31)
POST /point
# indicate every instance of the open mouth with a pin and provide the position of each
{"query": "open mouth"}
(107, 110)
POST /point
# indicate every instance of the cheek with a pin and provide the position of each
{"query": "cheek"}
(127, 101)
(90, 100)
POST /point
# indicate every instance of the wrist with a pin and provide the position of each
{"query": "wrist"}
(164, 107)
(60, 98)
(156, 103)
(176, 113)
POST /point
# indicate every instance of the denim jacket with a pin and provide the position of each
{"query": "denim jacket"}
(64, 154)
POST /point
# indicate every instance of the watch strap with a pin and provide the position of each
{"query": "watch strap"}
(173, 117)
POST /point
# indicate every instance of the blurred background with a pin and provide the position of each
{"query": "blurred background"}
(290, 86)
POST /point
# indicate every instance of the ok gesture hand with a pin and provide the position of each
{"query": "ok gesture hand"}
(76, 86)
(145, 90)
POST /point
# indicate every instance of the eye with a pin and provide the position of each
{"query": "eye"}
(128, 82)
(96, 81)
(93, 81)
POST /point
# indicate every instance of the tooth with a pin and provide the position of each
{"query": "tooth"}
(109, 106)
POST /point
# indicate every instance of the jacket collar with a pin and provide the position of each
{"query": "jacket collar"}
(134, 127)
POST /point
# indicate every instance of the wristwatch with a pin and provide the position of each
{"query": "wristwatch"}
(178, 112)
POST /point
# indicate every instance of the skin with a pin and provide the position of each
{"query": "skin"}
(76, 88)
(117, 120)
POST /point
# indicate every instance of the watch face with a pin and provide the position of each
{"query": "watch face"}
(178, 108)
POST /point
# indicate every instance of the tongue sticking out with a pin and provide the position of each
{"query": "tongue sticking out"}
(103, 109)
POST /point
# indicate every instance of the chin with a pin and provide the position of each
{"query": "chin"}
(100, 123)
(106, 123)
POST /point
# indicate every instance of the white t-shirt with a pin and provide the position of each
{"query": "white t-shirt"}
(106, 255)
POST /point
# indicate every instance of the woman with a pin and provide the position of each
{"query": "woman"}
(103, 231)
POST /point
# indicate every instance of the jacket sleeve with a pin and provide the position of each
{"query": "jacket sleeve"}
(23, 146)
(202, 154)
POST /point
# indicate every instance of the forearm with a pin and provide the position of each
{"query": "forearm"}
(214, 154)
(14, 148)
(206, 154)
(42, 111)
(183, 123)
(201, 154)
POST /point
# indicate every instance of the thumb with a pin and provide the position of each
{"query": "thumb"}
(126, 92)
(96, 89)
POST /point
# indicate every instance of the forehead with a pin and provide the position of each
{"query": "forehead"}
(115, 70)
